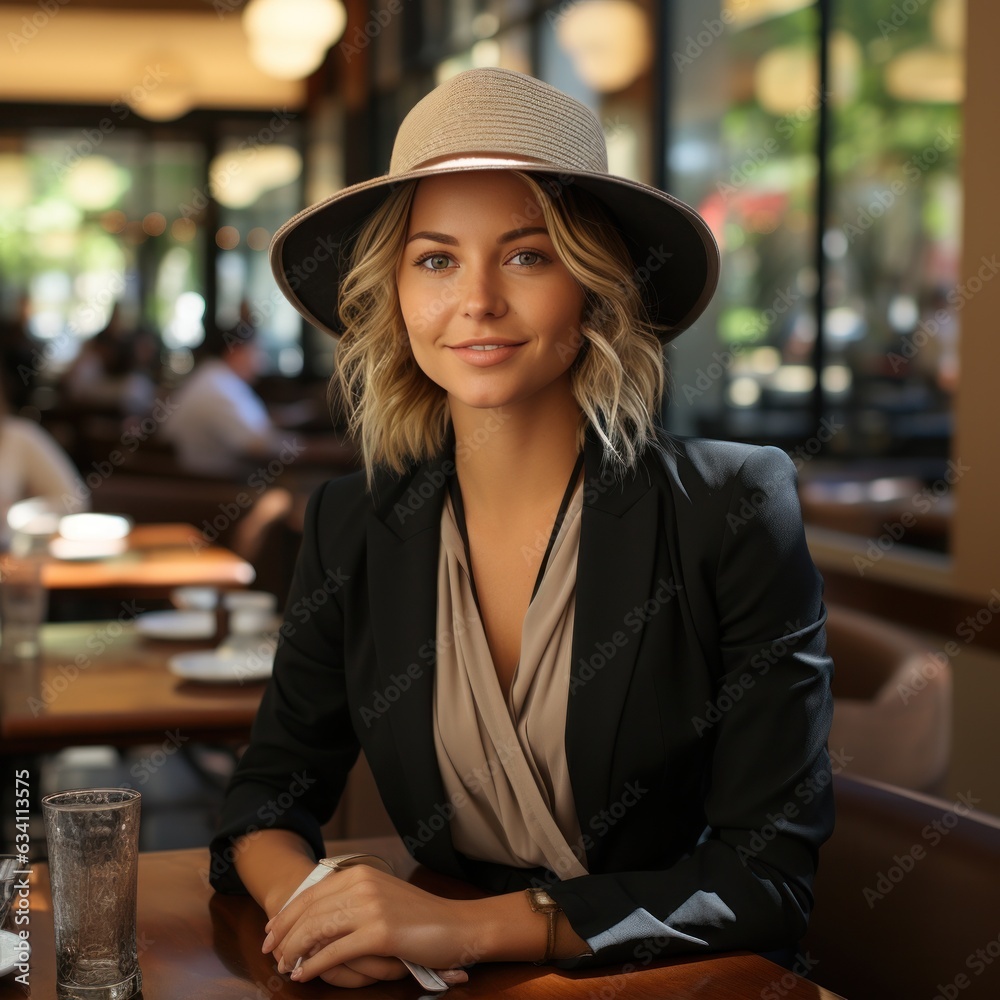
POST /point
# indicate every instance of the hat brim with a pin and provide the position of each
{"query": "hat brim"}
(675, 254)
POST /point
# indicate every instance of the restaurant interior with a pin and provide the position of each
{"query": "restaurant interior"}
(842, 153)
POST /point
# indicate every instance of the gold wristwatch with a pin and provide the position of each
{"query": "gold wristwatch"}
(541, 902)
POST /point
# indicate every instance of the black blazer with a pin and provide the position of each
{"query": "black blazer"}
(699, 702)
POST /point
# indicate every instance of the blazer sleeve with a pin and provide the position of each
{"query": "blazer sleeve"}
(302, 744)
(768, 802)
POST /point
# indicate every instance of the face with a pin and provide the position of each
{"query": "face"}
(245, 359)
(492, 313)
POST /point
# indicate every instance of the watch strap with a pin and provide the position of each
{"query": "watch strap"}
(541, 902)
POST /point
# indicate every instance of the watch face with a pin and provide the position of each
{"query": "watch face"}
(542, 901)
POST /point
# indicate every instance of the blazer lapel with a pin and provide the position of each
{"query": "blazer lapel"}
(403, 541)
(615, 569)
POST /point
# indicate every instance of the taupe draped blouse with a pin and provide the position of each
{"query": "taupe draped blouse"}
(503, 761)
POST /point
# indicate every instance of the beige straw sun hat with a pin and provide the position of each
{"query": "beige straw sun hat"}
(497, 119)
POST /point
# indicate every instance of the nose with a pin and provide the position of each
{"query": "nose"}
(482, 293)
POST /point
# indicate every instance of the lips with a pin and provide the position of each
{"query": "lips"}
(485, 354)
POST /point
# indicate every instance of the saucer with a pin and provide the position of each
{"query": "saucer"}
(215, 667)
(176, 624)
(87, 549)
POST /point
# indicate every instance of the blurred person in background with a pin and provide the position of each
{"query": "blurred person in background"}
(33, 465)
(18, 356)
(219, 425)
(112, 372)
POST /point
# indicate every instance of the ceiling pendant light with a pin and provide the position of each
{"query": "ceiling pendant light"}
(289, 38)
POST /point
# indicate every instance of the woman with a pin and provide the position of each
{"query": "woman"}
(585, 663)
(33, 465)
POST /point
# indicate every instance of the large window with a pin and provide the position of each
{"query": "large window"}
(746, 147)
(95, 217)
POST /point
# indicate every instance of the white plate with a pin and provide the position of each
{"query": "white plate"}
(195, 598)
(94, 527)
(13, 951)
(87, 548)
(176, 624)
(222, 668)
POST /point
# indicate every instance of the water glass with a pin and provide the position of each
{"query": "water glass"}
(23, 607)
(93, 845)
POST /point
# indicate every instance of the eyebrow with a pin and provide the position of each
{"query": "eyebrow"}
(512, 234)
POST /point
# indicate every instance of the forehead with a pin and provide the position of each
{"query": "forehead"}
(496, 197)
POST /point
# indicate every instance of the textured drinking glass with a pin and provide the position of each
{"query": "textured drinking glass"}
(93, 844)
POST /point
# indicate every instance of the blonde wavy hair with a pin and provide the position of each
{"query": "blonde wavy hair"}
(398, 415)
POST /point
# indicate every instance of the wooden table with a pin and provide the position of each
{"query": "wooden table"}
(159, 557)
(195, 944)
(102, 683)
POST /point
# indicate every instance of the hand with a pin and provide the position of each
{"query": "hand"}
(351, 927)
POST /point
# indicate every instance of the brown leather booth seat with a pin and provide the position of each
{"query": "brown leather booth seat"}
(907, 898)
(892, 701)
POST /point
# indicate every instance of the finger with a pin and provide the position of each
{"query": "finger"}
(453, 977)
(344, 976)
(378, 967)
(345, 951)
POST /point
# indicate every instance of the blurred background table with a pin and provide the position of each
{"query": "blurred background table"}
(120, 693)
(194, 943)
(159, 557)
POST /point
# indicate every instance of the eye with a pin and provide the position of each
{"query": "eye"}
(527, 258)
(434, 261)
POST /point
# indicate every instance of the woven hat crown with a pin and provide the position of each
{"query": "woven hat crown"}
(503, 113)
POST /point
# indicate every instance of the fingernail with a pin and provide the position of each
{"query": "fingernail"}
(268, 943)
(296, 973)
(453, 976)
